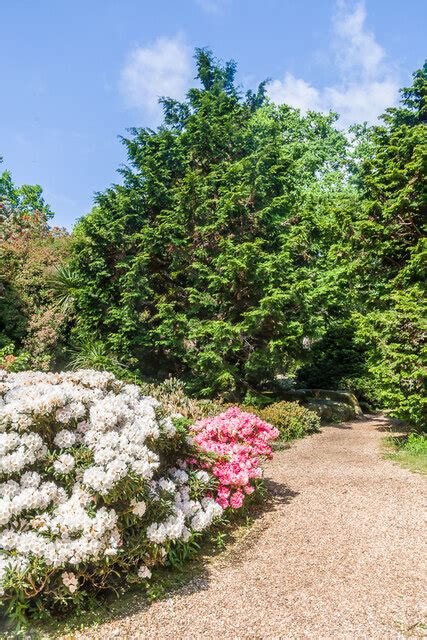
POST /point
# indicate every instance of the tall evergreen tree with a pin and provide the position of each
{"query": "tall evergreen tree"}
(391, 247)
(376, 342)
(205, 261)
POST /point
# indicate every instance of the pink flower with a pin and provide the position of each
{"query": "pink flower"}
(240, 441)
(236, 499)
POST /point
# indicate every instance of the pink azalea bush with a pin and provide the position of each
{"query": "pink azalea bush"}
(239, 442)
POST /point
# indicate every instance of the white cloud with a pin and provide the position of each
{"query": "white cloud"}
(162, 69)
(365, 84)
(356, 48)
(212, 6)
(360, 102)
(295, 92)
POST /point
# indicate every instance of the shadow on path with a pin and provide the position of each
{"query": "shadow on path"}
(195, 575)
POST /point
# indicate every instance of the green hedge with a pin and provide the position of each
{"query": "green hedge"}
(292, 420)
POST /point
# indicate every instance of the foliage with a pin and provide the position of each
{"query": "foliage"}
(374, 342)
(63, 285)
(416, 444)
(30, 251)
(11, 362)
(390, 245)
(290, 418)
(20, 205)
(337, 360)
(248, 244)
(171, 393)
(396, 356)
(99, 484)
(92, 354)
(203, 263)
(409, 451)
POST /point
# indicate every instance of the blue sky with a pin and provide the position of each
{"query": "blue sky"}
(75, 74)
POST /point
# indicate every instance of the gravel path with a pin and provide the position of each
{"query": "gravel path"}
(339, 556)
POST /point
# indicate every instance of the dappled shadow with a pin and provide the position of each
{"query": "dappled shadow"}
(242, 535)
(338, 425)
(377, 421)
(383, 423)
(278, 494)
(389, 425)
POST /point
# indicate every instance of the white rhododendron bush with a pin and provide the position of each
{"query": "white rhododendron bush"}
(98, 485)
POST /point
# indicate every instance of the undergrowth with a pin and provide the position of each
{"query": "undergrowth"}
(410, 451)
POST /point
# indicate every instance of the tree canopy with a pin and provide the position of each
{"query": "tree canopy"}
(30, 253)
(247, 244)
(205, 262)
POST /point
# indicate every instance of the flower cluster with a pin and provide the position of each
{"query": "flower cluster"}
(87, 490)
(239, 441)
(187, 514)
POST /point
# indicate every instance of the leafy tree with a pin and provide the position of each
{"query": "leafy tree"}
(205, 262)
(20, 204)
(391, 246)
(30, 251)
(376, 342)
(247, 241)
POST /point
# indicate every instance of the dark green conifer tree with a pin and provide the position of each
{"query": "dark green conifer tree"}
(205, 262)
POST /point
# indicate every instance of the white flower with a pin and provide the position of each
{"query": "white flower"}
(166, 485)
(203, 476)
(64, 414)
(138, 508)
(109, 433)
(179, 475)
(96, 478)
(10, 488)
(70, 581)
(64, 439)
(5, 511)
(156, 533)
(168, 427)
(30, 479)
(64, 464)
(144, 572)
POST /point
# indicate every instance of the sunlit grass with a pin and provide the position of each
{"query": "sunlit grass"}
(410, 451)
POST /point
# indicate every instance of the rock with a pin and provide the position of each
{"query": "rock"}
(330, 411)
(329, 404)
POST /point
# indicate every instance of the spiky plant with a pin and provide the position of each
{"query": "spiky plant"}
(64, 285)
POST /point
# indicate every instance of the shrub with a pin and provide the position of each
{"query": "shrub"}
(11, 361)
(409, 451)
(240, 440)
(291, 419)
(416, 444)
(99, 482)
(30, 252)
(172, 395)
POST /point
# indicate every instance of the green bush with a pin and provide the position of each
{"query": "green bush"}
(172, 395)
(10, 361)
(416, 444)
(292, 420)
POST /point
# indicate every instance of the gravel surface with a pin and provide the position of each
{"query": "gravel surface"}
(339, 555)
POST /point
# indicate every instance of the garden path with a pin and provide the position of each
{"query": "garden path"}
(337, 556)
